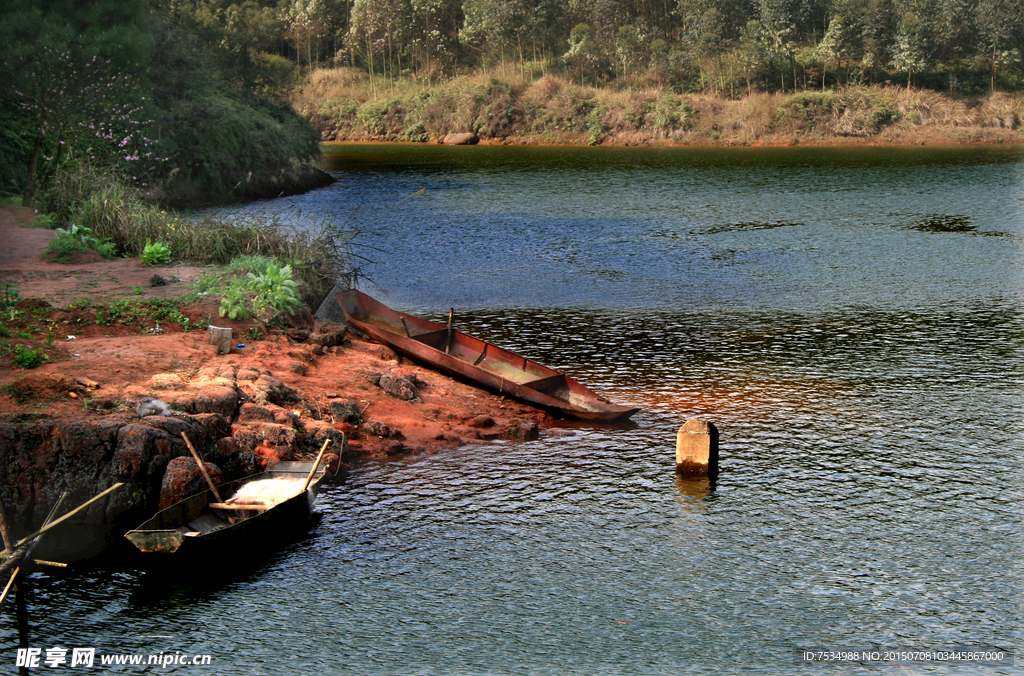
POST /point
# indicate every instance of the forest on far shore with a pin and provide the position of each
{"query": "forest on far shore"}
(724, 47)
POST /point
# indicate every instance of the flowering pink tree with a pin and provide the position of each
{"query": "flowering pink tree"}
(82, 108)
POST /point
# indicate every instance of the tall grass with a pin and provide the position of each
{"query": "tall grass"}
(98, 199)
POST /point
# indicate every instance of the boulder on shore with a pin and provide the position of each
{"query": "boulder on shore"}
(461, 139)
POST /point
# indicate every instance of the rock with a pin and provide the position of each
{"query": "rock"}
(398, 387)
(166, 381)
(248, 375)
(382, 430)
(522, 430)
(299, 335)
(346, 412)
(394, 448)
(328, 334)
(384, 353)
(318, 432)
(183, 479)
(221, 375)
(482, 421)
(270, 390)
(219, 399)
(461, 139)
(251, 412)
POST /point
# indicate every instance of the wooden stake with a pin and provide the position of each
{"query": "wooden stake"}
(315, 465)
(448, 342)
(17, 571)
(62, 519)
(202, 468)
(3, 528)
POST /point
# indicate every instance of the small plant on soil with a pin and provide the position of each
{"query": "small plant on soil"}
(232, 305)
(156, 253)
(275, 290)
(77, 239)
(27, 358)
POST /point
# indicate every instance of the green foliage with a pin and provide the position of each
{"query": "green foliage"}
(156, 254)
(232, 305)
(272, 292)
(27, 358)
(275, 289)
(77, 239)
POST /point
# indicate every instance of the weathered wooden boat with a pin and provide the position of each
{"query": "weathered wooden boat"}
(463, 356)
(257, 513)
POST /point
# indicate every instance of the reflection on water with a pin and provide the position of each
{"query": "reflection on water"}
(867, 377)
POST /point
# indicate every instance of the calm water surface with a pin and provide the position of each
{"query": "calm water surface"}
(852, 320)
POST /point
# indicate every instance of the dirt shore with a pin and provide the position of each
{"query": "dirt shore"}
(99, 364)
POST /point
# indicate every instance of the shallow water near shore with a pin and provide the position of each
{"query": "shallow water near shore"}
(851, 319)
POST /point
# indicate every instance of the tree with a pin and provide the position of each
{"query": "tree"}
(628, 43)
(380, 28)
(914, 46)
(832, 47)
(778, 21)
(80, 105)
(435, 25)
(753, 54)
(1001, 27)
(878, 33)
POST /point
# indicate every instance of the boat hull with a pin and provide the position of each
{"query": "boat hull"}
(468, 358)
(168, 532)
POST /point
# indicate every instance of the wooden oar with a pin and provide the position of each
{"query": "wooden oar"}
(315, 465)
(202, 468)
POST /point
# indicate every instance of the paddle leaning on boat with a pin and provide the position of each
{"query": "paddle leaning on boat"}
(463, 356)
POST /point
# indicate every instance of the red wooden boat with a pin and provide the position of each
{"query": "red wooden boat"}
(463, 356)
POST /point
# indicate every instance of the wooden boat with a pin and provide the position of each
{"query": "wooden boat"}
(476, 361)
(201, 523)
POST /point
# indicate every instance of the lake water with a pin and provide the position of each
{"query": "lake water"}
(851, 319)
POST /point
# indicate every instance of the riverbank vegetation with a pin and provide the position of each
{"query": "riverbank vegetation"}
(115, 110)
(553, 110)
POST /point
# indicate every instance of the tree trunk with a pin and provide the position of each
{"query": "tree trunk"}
(28, 197)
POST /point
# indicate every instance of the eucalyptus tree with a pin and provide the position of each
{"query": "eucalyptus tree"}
(878, 34)
(914, 46)
(1001, 32)
(779, 20)
(379, 28)
(435, 34)
(957, 37)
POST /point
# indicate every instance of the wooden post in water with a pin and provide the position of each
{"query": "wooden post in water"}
(697, 449)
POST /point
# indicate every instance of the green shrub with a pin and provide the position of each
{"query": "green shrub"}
(27, 358)
(156, 254)
(232, 305)
(77, 239)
